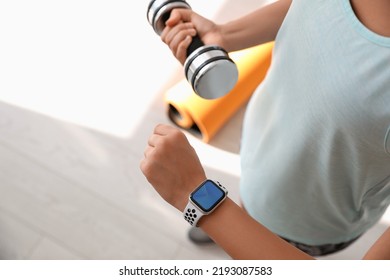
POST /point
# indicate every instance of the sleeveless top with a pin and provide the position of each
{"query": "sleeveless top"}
(315, 152)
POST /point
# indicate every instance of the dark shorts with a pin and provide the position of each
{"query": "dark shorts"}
(321, 250)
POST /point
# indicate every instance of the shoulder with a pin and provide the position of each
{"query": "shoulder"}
(374, 14)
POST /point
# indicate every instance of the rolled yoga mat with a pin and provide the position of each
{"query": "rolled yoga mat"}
(189, 111)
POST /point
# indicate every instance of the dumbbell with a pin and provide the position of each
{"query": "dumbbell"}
(208, 68)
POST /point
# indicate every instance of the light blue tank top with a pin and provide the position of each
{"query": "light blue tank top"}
(316, 139)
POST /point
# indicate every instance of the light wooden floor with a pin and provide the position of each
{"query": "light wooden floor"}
(70, 186)
(69, 192)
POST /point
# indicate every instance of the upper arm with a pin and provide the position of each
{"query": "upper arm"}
(374, 15)
(381, 248)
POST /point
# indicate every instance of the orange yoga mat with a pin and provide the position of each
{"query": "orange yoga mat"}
(187, 110)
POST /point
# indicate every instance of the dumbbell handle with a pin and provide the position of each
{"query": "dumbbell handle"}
(163, 17)
(196, 41)
(195, 44)
(208, 69)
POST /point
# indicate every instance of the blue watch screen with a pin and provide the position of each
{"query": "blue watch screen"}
(207, 196)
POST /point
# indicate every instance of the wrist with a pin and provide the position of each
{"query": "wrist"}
(217, 215)
(182, 197)
(224, 31)
(231, 36)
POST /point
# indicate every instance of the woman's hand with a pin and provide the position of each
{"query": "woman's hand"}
(182, 25)
(171, 165)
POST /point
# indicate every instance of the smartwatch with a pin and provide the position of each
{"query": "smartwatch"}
(204, 200)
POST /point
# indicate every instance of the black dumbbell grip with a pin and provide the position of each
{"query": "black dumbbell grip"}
(195, 44)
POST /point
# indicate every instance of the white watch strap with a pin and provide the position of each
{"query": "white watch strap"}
(192, 214)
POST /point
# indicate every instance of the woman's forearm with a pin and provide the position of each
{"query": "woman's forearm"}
(258, 27)
(244, 238)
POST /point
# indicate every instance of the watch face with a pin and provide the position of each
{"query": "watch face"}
(207, 196)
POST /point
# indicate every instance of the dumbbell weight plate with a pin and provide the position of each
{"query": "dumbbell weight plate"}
(208, 69)
(158, 11)
(210, 72)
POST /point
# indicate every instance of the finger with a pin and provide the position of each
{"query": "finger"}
(179, 46)
(163, 129)
(181, 52)
(178, 15)
(153, 140)
(144, 165)
(148, 151)
(177, 32)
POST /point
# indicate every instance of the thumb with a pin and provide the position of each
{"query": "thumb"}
(179, 15)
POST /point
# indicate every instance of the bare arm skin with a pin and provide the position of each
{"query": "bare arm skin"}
(375, 15)
(173, 168)
(381, 248)
(244, 238)
(258, 27)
